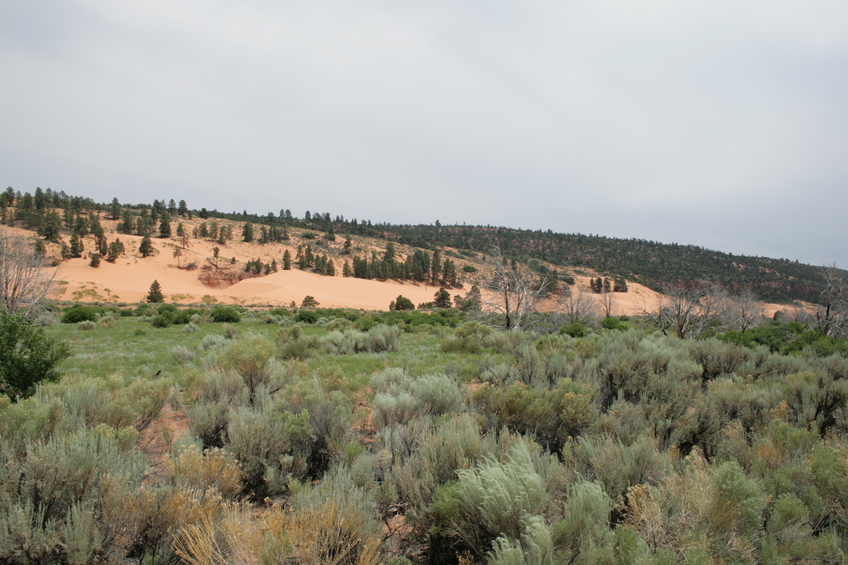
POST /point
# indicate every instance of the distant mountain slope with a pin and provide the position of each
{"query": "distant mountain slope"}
(648, 262)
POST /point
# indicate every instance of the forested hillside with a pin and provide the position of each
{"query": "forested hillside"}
(651, 263)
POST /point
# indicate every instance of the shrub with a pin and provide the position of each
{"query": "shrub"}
(306, 316)
(292, 344)
(335, 522)
(613, 324)
(251, 358)
(574, 330)
(161, 321)
(262, 441)
(402, 303)
(63, 502)
(27, 356)
(225, 314)
(584, 530)
(378, 338)
(79, 314)
(212, 341)
(87, 325)
(182, 354)
(499, 499)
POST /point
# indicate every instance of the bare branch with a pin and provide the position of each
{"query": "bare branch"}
(24, 280)
(509, 292)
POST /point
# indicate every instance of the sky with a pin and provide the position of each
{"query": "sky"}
(717, 123)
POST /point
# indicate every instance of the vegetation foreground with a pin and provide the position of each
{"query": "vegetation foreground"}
(330, 436)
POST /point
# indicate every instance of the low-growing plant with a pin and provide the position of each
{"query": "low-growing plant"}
(182, 354)
(225, 314)
(86, 326)
(78, 314)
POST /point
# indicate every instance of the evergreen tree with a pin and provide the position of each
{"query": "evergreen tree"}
(442, 299)
(247, 232)
(346, 272)
(116, 248)
(145, 247)
(95, 260)
(182, 210)
(115, 209)
(165, 228)
(155, 295)
(127, 223)
(436, 267)
(347, 245)
(287, 260)
(76, 246)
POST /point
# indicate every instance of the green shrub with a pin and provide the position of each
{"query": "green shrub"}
(306, 316)
(552, 416)
(611, 323)
(574, 330)
(79, 314)
(86, 326)
(162, 320)
(225, 314)
(27, 356)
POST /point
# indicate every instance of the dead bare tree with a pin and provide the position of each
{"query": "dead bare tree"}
(607, 304)
(744, 311)
(832, 315)
(24, 280)
(688, 309)
(509, 291)
(576, 306)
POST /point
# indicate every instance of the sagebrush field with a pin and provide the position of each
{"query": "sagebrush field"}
(333, 436)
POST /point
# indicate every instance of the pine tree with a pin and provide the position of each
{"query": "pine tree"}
(287, 261)
(436, 267)
(76, 246)
(145, 247)
(165, 229)
(442, 299)
(155, 295)
(95, 260)
(115, 209)
(247, 232)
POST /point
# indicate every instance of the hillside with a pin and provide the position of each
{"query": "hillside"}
(398, 256)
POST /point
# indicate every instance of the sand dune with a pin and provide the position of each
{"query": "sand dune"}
(129, 279)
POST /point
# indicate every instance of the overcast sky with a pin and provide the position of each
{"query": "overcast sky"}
(716, 123)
